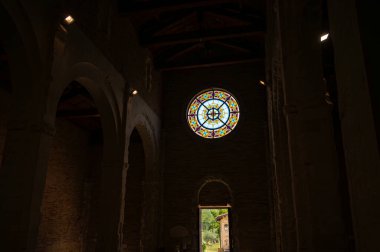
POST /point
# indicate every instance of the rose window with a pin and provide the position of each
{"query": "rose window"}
(213, 113)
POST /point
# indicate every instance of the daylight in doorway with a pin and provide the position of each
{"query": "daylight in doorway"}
(214, 230)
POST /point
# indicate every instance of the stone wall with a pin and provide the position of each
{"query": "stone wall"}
(239, 159)
(68, 197)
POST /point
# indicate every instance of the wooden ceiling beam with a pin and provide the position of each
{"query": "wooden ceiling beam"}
(211, 64)
(188, 39)
(170, 22)
(184, 51)
(232, 46)
(174, 6)
(251, 16)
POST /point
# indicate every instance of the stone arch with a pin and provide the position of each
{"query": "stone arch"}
(142, 124)
(88, 75)
(91, 78)
(73, 177)
(215, 192)
(142, 175)
(211, 186)
(79, 60)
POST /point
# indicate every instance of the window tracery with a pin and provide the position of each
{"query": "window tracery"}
(213, 113)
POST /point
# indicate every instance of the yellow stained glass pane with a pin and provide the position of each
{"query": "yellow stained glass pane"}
(213, 113)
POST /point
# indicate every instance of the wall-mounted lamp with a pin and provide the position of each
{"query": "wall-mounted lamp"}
(262, 82)
(324, 37)
(69, 20)
(133, 92)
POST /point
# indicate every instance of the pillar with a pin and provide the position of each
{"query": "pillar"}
(284, 232)
(355, 61)
(313, 159)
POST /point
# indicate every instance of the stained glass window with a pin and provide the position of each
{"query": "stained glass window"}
(213, 113)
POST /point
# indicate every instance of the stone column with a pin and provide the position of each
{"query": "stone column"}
(312, 151)
(357, 117)
(283, 212)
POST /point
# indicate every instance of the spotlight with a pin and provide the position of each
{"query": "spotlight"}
(262, 82)
(324, 37)
(69, 20)
(134, 92)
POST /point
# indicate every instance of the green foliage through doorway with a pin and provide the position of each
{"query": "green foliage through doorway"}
(210, 228)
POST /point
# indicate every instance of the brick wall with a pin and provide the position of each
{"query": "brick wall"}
(239, 158)
(68, 197)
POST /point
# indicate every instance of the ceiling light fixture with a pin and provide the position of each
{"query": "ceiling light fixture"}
(262, 82)
(69, 20)
(134, 92)
(324, 37)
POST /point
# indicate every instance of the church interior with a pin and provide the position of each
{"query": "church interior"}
(124, 124)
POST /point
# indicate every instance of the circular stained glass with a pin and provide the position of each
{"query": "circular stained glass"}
(213, 113)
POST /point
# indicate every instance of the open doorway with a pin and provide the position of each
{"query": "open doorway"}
(214, 229)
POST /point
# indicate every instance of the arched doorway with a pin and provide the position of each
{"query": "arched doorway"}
(134, 194)
(215, 232)
(71, 192)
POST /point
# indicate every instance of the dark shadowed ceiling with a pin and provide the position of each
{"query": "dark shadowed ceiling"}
(199, 33)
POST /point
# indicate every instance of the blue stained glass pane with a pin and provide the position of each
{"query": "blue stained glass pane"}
(213, 113)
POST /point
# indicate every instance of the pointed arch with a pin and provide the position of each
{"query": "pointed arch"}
(139, 125)
(89, 76)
